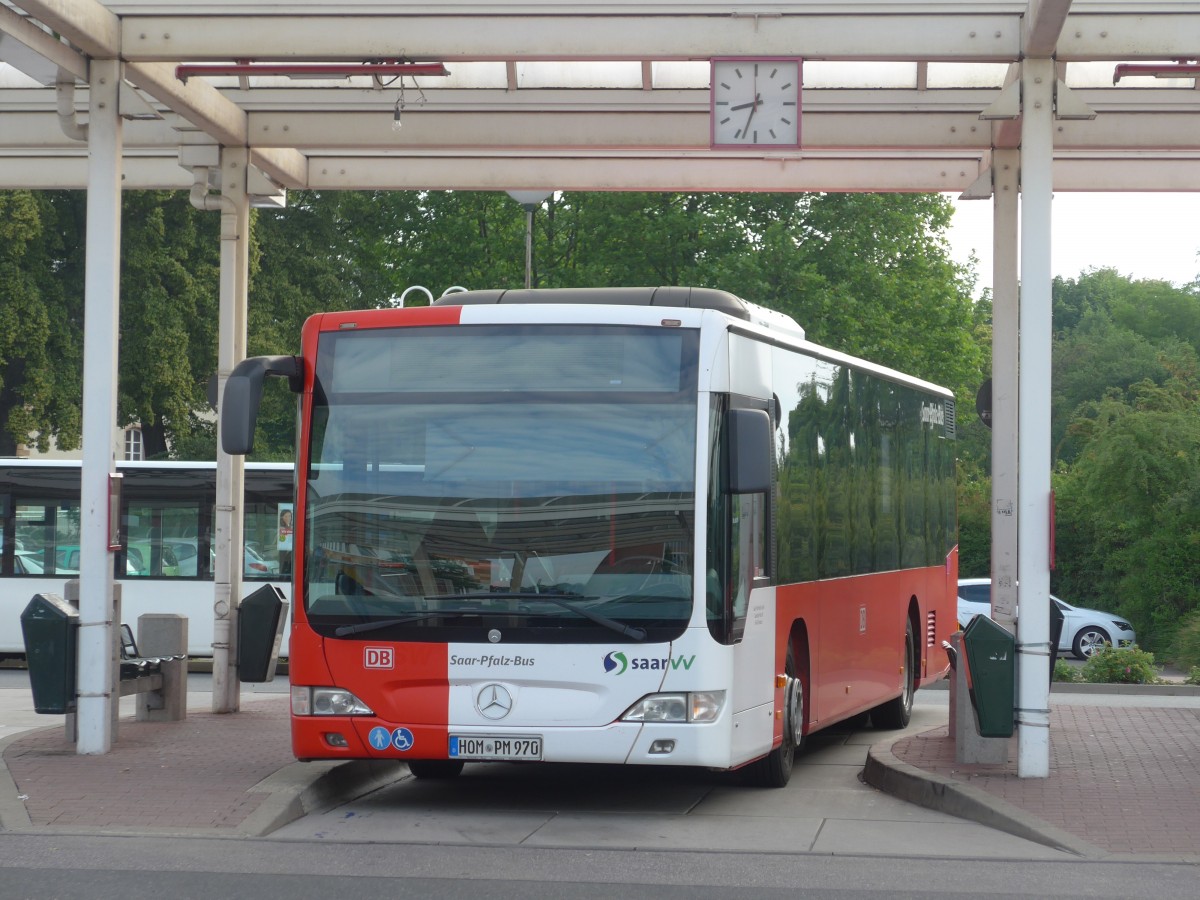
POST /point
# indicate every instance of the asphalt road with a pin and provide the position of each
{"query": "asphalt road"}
(113, 868)
(826, 836)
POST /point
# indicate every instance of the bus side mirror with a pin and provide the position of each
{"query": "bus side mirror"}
(243, 393)
(749, 451)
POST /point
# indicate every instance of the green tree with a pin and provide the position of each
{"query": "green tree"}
(1100, 356)
(438, 239)
(867, 274)
(169, 299)
(1129, 512)
(892, 295)
(41, 310)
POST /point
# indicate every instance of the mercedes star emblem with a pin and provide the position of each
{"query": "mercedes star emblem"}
(493, 701)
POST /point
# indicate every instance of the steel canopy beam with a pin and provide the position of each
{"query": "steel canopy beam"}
(591, 34)
(91, 26)
(562, 132)
(702, 173)
(1043, 24)
(43, 43)
(1140, 172)
(1143, 34)
(48, 172)
(1117, 31)
(208, 110)
(87, 24)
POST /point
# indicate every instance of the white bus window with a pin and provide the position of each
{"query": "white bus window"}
(163, 541)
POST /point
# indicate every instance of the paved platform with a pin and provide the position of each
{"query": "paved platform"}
(1124, 782)
(1124, 779)
(221, 775)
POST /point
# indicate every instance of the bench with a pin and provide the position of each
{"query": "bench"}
(159, 681)
(149, 675)
(50, 627)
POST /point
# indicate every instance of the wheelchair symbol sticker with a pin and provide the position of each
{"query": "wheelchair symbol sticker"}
(379, 738)
(402, 739)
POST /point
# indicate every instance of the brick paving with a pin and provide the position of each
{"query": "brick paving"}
(1126, 780)
(194, 774)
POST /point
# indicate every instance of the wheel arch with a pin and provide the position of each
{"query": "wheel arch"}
(798, 640)
(920, 639)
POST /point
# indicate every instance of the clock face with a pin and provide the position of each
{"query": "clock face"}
(755, 102)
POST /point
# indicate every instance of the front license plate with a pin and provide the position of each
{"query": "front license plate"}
(495, 746)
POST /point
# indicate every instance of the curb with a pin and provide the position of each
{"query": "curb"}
(303, 788)
(13, 815)
(1153, 690)
(885, 771)
(295, 791)
(1069, 687)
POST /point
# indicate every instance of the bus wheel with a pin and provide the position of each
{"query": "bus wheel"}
(775, 769)
(897, 713)
(435, 768)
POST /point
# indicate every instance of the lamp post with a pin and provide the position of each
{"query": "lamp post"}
(529, 200)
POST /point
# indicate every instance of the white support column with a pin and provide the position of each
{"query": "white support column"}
(1033, 507)
(227, 534)
(101, 308)
(1005, 311)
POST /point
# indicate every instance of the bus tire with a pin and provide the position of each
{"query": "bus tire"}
(775, 769)
(435, 768)
(898, 712)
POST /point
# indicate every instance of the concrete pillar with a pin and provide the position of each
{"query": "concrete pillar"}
(1005, 312)
(97, 700)
(227, 535)
(1033, 506)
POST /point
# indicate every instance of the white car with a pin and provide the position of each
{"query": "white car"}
(27, 563)
(1084, 631)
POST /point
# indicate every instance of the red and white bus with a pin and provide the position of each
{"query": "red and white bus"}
(629, 525)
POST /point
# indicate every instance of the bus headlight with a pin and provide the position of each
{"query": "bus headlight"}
(327, 701)
(695, 706)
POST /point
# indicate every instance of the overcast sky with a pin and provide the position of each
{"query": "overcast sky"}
(1140, 235)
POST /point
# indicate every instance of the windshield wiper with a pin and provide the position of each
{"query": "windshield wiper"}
(344, 630)
(630, 631)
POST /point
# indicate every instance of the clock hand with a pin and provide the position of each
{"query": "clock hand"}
(757, 101)
(753, 107)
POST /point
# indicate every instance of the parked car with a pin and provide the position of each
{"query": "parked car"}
(66, 560)
(27, 563)
(140, 554)
(252, 563)
(255, 563)
(1084, 631)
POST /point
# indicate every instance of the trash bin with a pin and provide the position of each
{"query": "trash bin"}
(260, 633)
(991, 653)
(50, 627)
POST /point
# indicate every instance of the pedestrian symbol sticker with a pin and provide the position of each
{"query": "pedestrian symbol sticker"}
(402, 739)
(380, 738)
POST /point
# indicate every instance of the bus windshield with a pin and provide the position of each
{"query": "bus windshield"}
(536, 481)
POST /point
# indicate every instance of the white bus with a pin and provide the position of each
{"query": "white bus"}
(166, 560)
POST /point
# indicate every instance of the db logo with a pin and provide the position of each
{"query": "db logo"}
(379, 658)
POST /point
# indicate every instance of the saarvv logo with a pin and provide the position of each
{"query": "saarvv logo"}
(616, 663)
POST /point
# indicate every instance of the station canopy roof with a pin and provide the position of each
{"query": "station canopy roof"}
(597, 96)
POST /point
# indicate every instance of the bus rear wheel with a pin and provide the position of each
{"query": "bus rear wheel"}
(775, 769)
(897, 713)
(435, 768)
